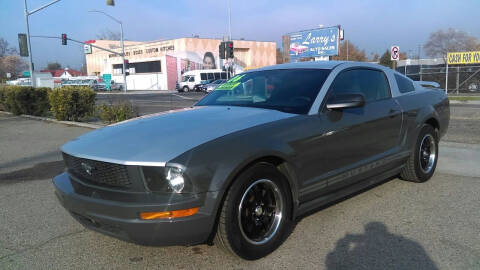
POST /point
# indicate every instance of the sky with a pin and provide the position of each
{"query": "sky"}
(373, 25)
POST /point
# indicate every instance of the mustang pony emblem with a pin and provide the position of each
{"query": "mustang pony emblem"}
(88, 168)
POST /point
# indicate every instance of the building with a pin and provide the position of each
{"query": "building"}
(158, 65)
(64, 73)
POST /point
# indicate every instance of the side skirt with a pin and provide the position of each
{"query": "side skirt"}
(336, 196)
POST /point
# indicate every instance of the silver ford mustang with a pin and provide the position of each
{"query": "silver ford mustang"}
(266, 147)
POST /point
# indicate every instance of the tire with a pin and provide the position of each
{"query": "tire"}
(421, 165)
(236, 229)
(185, 89)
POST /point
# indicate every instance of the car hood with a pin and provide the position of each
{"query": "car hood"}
(158, 138)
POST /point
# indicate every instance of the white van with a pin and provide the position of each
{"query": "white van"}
(191, 80)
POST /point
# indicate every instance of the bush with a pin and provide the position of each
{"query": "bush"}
(112, 113)
(25, 100)
(72, 102)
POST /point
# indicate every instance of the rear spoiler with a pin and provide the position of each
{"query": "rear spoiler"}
(429, 84)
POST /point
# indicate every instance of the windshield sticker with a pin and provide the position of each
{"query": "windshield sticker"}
(230, 84)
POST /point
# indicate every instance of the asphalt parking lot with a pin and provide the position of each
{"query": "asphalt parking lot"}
(396, 225)
(152, 103)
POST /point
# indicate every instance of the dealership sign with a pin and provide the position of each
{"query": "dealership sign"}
(463, 58)
(314, 43)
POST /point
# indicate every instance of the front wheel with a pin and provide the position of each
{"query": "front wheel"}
(422, 162)
(185, 89)
(256, 214)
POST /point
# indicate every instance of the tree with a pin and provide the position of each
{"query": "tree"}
(5, 49)
(385, 59)
(12, 64)
(375, 57)
(354, 53)
(279, 56)
(441, 42)
(108, 34)
(54, 66)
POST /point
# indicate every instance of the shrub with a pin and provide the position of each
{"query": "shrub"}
(112, 113)
(25, 100)
(72, 102)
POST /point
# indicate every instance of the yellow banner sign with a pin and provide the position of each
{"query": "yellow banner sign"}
(463, 58)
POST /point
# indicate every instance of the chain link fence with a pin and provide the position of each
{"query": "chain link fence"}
(462, 79)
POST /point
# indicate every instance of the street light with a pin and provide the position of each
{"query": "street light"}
(28, 13)
(123, 47)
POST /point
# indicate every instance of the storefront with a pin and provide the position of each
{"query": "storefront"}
(158, 65)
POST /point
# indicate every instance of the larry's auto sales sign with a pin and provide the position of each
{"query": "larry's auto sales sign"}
(314, 43)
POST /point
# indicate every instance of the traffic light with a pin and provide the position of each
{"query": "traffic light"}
(229, 49)
(64, 39)
(127, 70)
(221, 50)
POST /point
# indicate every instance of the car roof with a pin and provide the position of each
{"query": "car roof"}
(318, 65)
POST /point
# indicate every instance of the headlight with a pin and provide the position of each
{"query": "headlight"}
(175, 179)
(166, 179)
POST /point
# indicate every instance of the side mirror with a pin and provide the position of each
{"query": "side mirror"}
(344, 101)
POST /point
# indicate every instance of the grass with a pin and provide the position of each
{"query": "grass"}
(464, 98)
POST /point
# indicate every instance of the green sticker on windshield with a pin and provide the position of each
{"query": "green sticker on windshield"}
(230, 84)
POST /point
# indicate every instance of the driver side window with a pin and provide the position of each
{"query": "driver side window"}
(371, 83)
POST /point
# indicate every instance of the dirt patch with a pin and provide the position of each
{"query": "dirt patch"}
(42, 170)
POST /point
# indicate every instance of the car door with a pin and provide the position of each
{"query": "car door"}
(347, 141)
(191, 82)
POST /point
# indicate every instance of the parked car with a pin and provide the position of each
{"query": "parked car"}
(207, 88)
(199, 87)
(270, 145)
(192, 79)
(100, 86)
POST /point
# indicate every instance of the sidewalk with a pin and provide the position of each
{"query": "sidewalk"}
(138, 92)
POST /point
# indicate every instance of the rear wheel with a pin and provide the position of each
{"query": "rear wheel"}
(422, 162)
(256, 215)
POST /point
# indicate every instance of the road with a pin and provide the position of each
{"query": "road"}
(434, 225)
(152, 103)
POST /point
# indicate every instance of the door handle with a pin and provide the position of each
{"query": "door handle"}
(392, 113)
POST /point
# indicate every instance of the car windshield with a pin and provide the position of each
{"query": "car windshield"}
(287, 90)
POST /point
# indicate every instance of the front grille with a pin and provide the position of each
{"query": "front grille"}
(98, 172)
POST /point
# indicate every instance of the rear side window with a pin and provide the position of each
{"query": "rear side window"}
(203, 76)
(404, 84)
(371, 83)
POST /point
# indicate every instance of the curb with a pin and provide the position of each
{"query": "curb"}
(138, 92)
(68, 123)
(469, 102)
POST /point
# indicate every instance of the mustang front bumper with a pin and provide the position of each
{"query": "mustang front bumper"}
(118, 213)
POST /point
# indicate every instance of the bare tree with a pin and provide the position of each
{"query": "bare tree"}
(12, 64)
(5, 49)
(354, 53)
(108, 34)
(441, 42)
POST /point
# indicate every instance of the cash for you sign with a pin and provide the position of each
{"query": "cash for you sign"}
(314, 43)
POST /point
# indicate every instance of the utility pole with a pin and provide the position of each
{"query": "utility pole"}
(230, 20)
(419, 61)
(347, 49)
(30, 63)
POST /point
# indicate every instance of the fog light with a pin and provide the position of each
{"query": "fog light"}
(175, 179)
(169, 214)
